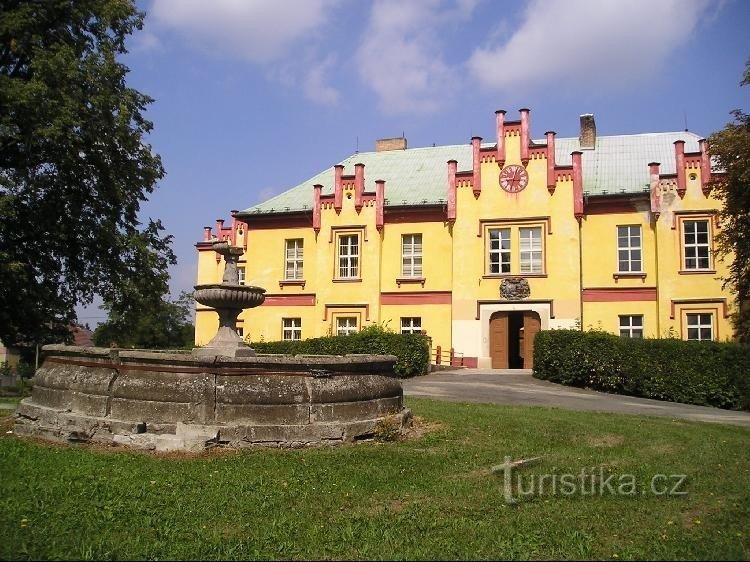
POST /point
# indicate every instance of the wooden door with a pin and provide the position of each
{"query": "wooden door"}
(499, 340)
(531, 325)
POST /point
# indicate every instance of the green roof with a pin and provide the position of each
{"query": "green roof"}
(419, 176)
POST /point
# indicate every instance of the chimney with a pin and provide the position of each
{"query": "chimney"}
(383, 145)
(587, 137)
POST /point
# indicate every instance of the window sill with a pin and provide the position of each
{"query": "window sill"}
(696, 271)
(507, 275)
(629, 274)
(352, 280)
(292, 283)
(420, 280)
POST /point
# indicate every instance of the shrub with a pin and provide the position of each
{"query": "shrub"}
(703, 373)
(412, 350)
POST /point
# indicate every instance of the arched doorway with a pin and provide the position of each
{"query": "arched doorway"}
(512, 339)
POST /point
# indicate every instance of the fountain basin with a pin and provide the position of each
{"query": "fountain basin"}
(223, 295)
(181, 401)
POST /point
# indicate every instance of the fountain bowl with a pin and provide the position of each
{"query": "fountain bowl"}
(224, 295)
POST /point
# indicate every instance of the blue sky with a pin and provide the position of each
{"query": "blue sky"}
(253, 97)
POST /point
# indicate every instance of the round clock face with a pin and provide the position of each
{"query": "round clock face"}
(514, 178)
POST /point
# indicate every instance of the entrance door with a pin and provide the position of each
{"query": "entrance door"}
(499, 340)
(512, 337)
(531, 325)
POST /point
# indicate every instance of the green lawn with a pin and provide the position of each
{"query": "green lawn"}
(431, 497)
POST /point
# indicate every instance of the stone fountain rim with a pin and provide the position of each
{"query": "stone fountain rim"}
(187, 358)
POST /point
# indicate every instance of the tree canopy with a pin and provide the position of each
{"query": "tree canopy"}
(74, 167)
(148, 322)
(730, 148)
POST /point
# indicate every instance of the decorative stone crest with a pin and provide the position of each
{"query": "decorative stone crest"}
(514, 288)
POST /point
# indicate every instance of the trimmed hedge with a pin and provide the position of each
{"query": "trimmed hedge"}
(412, 350)
(703, 373)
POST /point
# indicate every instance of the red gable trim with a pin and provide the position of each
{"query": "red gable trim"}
(417, 297)
(619, 294)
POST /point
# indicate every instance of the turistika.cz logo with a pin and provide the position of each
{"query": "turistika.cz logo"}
(589, 481)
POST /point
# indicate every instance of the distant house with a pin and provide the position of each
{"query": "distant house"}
(9, 355)
(82, 336)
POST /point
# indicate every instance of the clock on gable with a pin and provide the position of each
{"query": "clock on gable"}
(514, 178)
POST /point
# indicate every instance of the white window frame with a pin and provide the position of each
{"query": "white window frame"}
(700, 325)
(291, 329)
(240, 331)
(411, 255)
(293, 259)
(411, 324)
(346, 325)
(530, 250)
(241, 274)
(695, 247)
(627, 248)
(347, 256)
(629, 328)
(499, 251)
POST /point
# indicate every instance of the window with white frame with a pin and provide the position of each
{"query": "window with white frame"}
(346, 325)
(240, 331)
(291, 328)
(499, 250)
(241, 274)
(411, 325)
(348, 257)
(530, 246)
(700, 326)
(411, 255)
(631, 326)
(629, 256)
(696, 244)
(293, 258)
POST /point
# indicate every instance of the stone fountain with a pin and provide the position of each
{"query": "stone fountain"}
(222, 394)
(228, 298)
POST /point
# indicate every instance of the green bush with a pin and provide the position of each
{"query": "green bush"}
(703, 373)
(412, 350)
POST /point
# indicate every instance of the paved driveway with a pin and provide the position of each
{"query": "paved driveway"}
(520, 388)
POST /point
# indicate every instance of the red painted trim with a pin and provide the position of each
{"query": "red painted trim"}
(379, 202)
(359, 185)
(301, 219)
(655, 191)
(500, 129)
(577, 184)
(396, 216)
(417, 297)
(679, 155)
(705, 166)
(619, 294)
(317, 189)
(476, 186)
(551, 177)
(338, 186)
(470, 362)
(452, 165)
(307, 299)
(524, 135)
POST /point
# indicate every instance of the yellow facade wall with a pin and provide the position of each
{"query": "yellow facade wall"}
(458, 294)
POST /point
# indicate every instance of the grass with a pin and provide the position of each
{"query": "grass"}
(10, 399)
(432, 497)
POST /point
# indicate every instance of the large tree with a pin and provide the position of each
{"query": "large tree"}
(731, 149)
(74, 166)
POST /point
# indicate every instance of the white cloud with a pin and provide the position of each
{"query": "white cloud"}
(145, 41)
(588, 42)
(256, 30)
(317, 83)
(400, 58)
